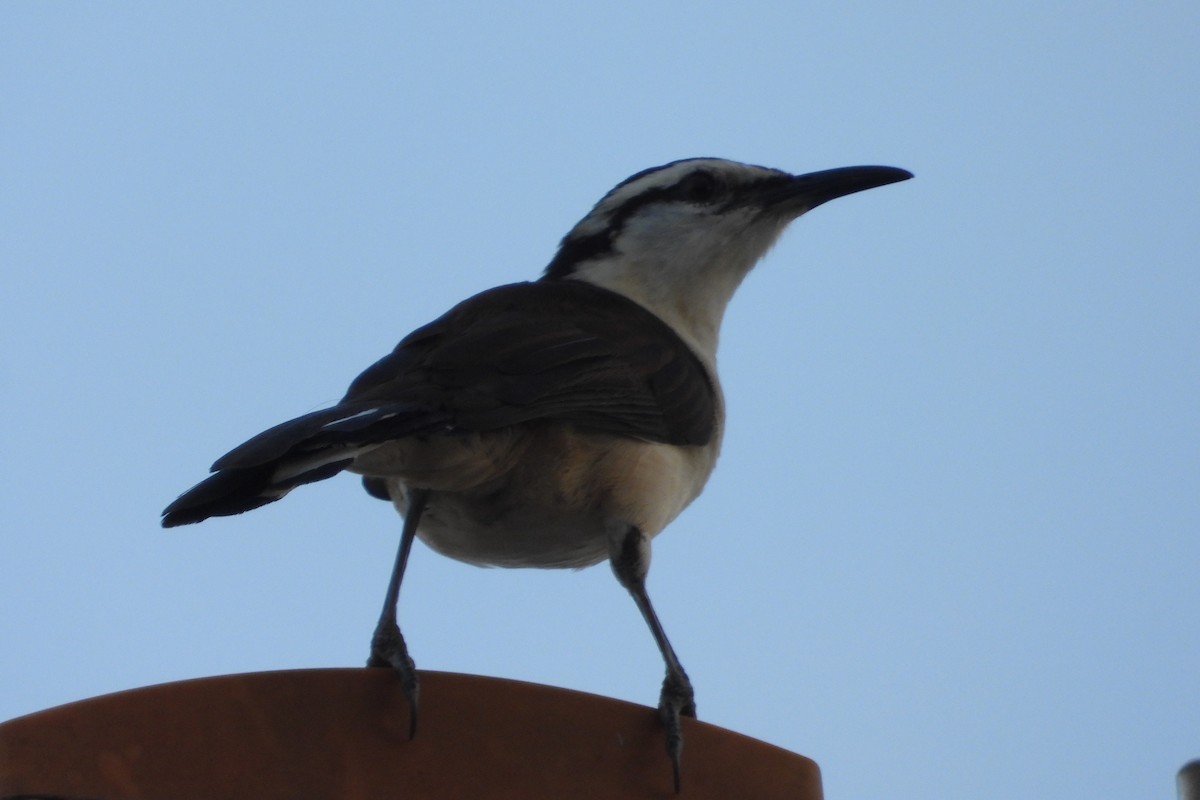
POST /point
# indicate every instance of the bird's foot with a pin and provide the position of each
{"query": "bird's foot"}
(677, 700)
(388, 650)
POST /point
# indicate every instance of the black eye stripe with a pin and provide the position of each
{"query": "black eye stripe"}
(577, 250)
(699, 187)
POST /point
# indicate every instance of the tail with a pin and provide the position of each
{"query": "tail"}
(303, 450)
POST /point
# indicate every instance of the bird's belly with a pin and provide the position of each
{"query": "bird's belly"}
(477, 531)
(561, 501)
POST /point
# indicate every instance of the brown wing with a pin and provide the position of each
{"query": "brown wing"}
(562, 351)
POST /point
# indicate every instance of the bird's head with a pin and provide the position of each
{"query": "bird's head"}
(680, 238)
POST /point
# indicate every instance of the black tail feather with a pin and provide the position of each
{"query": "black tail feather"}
(310, 448)
(346, 424)
(234, 491)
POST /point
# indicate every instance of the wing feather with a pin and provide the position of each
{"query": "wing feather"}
(563, 351)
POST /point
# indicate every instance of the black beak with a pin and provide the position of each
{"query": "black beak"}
(806, 192)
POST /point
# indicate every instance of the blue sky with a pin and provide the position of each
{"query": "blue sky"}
(951, 547)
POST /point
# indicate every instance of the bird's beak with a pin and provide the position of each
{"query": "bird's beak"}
(805, 192)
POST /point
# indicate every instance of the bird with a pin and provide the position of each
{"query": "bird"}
(559, 422)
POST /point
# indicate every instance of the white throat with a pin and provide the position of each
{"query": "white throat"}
(689, 283)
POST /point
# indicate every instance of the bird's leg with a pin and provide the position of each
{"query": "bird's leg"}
(630, 562)
(387, 645)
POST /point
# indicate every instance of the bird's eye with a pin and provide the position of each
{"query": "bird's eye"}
(700, 187)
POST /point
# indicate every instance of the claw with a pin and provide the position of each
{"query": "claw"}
(388, 650)
(677, 699)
